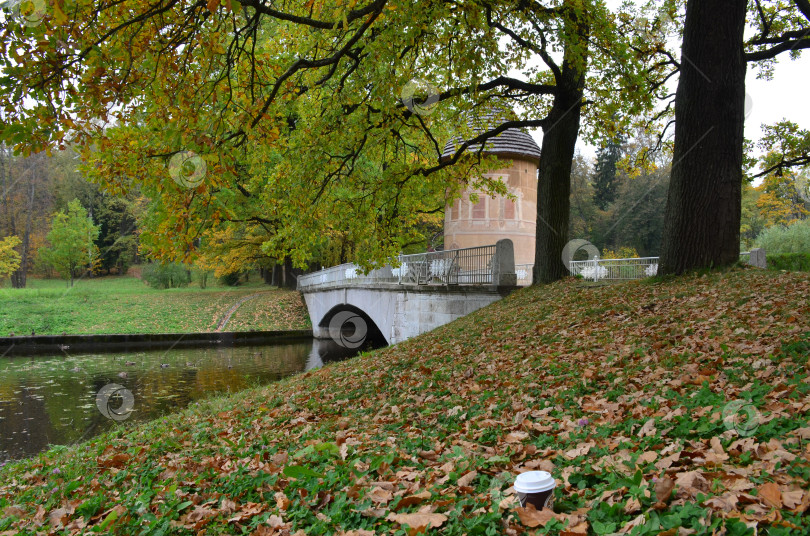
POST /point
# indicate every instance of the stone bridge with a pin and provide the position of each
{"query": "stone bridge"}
(391, 304)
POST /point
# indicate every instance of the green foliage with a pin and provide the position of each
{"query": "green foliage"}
(752, 222)
(202, 276)
(230, 280)
(784, 198)
(623, 252)
(635, 218)
(785, 146)
(793, 262)
(72, 237)
(604, 172)
(117, 239)
(9, 258)
(166, 275)
(780, 239)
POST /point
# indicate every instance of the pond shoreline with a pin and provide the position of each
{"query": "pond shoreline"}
(50, 344)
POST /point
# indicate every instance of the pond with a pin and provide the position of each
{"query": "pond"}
(64, 399)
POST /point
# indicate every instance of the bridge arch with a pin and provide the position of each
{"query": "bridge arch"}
(351, 327)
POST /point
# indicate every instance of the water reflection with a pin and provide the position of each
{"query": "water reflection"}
(51, 400)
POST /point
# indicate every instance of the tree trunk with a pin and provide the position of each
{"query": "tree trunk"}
(554, 172)
(276, 277)
(19, 278)
(702, 223)
(290, 280)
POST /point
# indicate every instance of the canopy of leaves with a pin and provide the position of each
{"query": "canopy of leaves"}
(294, 112)
(786, 147)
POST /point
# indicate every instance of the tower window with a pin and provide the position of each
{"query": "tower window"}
(508, 209)
(479, 209)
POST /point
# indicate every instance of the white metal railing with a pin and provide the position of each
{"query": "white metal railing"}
(524, 274)
(466, 266)
(615, 269)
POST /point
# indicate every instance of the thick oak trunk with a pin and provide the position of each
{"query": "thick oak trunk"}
(702, 224)
(554, 173)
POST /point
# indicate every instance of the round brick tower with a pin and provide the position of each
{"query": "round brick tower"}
(468, 224)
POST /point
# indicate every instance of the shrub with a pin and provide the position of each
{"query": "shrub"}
(202, 276)
(779, 239)
(230, 280)
(624, 252)
(794, 262)
(162, 276)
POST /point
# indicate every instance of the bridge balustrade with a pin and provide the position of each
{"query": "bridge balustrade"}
(465, 266)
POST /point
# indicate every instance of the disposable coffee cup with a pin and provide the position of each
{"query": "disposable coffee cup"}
(535, 488)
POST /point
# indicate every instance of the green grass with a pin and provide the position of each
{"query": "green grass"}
(126, 305)
(618, 391)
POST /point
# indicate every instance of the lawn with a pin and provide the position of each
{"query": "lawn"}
(127, 305)
(670, 407)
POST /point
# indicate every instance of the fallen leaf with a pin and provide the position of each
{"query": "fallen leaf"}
(13, 511)
(412, 500)
(648, 457)
(636, 522)
(691, 483)
(532, 517)
(58, 517)
(418, 522)
(282, 502)
(667, 461)
(581, 450)
(792, 499)
(380, 496)
(467, 479)
(516, 437)
(771, 494)
(373, 512)
(648, 429)
(632, 506)
(663, 488)
(726, 502)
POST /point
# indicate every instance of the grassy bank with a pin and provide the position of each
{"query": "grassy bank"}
(619, 391)
(126, 305)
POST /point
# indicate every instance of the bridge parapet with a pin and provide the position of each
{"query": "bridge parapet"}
(482, 266)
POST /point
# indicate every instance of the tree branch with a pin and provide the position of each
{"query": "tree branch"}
(783, 164)
(769, 53)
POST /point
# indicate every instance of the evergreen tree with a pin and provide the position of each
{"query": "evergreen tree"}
(604, 173)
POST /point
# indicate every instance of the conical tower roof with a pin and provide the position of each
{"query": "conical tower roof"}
(511, 143)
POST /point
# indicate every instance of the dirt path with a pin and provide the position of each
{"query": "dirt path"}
(233, 309)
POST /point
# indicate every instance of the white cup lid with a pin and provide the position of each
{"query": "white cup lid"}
(534, 482)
